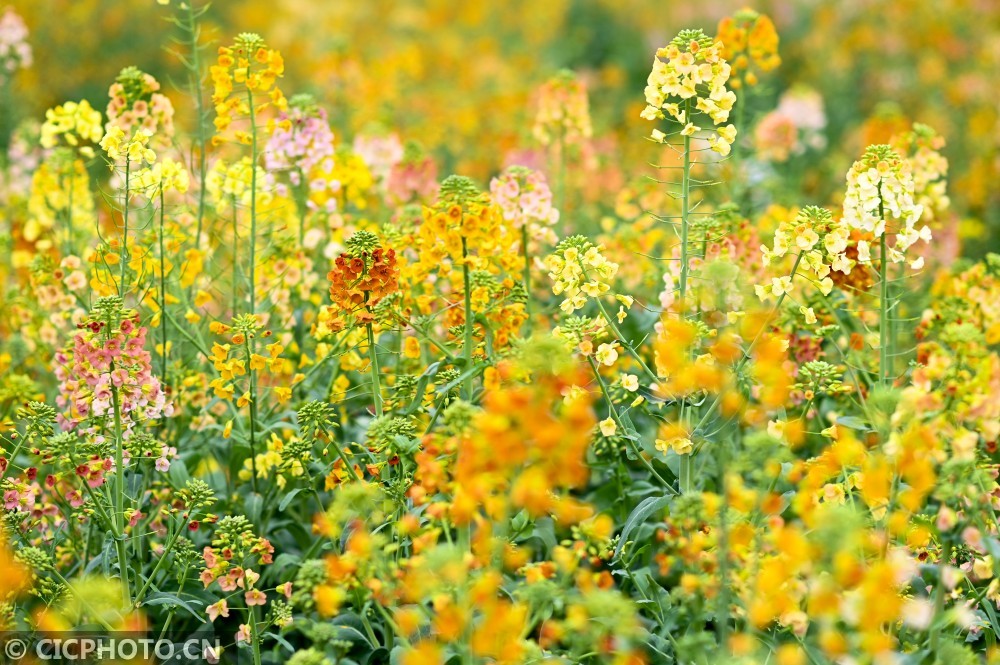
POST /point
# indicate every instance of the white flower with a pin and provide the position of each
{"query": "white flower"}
(864, 252)
(607, 354)
(630, 382)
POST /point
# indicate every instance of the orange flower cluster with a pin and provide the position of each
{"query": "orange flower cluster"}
(544, 442)
(362, 276)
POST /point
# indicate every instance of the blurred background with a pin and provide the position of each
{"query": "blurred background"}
(460, 77)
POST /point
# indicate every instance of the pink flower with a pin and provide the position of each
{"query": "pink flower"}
(255, 597)
(215, 610)
(243, 635)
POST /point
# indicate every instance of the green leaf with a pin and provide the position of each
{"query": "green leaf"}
(639, 515)
(288, 498)
(853, 422)
(172, 600)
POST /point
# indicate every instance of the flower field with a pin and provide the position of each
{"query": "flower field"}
(442, 333)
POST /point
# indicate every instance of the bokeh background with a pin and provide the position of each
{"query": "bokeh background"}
(459, 76)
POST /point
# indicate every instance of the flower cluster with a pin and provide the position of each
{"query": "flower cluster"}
(72, 122)
(462, 222)
(820, 244)
(750, 43)
(229, 184)
(362, 276)
(525, 199)
(133, 151)
(105, 373)
(165, 175)
(137, 103)
(563, 115)
(579, 271)
(248, 62)
(691, 67)
(880, 199)
(15, 51)
(922, 147)
(412, 178)
(302, 147)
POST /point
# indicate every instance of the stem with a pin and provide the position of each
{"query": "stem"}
(254, 637)
(163, 297)
(885, 338)
(628, 347)
(120, 543)
(373, 356)
(253, 414)
(686, 462)
(124, 248)
(236, 263)
(159, 564)
(527, 276)
(939, 593)
(467, 347)
(194, 83)
(685, 197)
(253, 196)
(69, 209)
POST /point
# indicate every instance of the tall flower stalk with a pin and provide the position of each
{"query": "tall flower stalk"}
(880, 200)
(688, 79)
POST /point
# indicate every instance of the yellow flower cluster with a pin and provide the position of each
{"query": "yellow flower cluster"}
(135, 150)
(166, 175)
(579, 271)
(690, 68)
(72, 122)
(230, 182)
(749, 42)
(819, 242)
(248, 62)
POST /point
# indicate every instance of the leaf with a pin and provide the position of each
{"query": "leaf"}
(288, 498)
(253, 506)
(418, 395)
(172, 600)
(639, 515)
(179, 473)
(853, 422)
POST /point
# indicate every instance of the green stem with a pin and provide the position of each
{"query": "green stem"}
(253, 413)
(685, 211)
(122, 259)
(236, 263)
(254, 636)
(163, 297)
(885, 338)
(939, 594)
(527, 276)
(159, 564)
(686, 462)
(253, 197)
(120, 542)
(194, 83)
(373, 356)
(467, 347)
